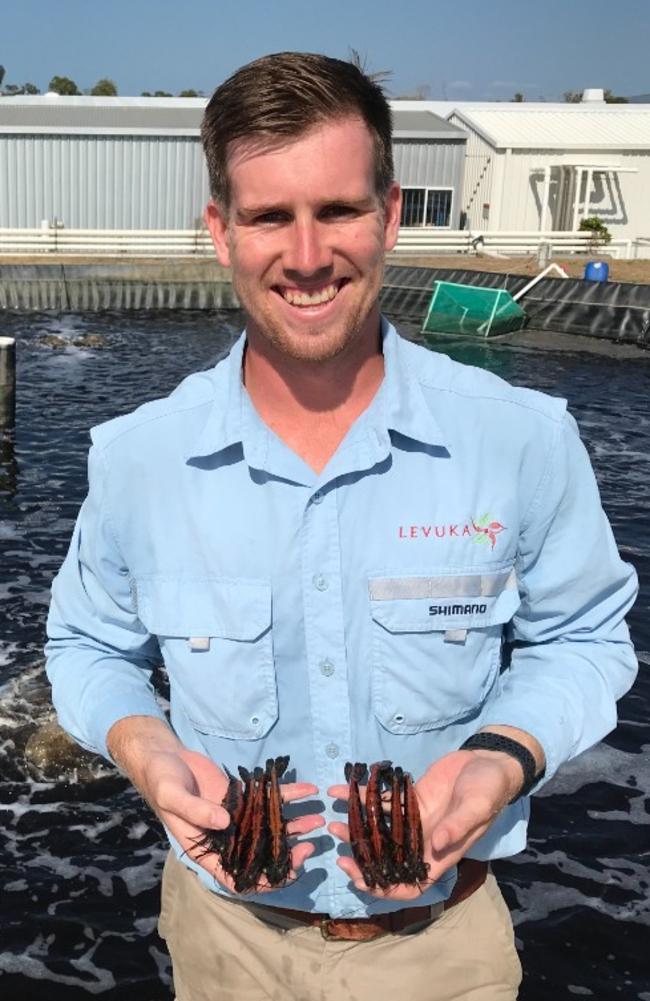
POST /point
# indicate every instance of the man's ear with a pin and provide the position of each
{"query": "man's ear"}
(217, 222)
(392, 215)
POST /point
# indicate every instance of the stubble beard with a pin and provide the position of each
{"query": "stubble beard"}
(313, 345)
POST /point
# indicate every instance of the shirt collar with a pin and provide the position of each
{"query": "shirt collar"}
(223, 427)
(399, 405)
(404, 409)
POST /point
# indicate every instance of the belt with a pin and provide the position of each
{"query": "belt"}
(471, 875)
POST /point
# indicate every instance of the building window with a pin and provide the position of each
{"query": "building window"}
(426, 207)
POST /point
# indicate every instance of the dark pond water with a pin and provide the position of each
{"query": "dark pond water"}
(81, 860)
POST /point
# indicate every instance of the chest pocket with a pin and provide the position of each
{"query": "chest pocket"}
(216, 641)
(436, 643)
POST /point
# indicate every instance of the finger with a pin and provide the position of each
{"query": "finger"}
(300, 853)
(397, 891)
(353, 872)
(339, 830)
(339, 792)
(305, 825)
(297, 790)
(193, 810)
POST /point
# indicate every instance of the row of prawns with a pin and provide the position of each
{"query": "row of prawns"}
(255, 844)
(385, 828)
(386, 838)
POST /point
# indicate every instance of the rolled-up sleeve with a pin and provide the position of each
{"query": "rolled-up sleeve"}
(99, 655)
(571, 657)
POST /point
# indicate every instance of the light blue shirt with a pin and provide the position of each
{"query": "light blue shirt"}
(354, 615)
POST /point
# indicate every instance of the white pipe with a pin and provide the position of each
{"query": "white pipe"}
(551, 267)
(576, 202)
(590, 175)
(545, 194)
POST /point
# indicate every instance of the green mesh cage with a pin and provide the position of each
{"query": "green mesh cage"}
(468, 309)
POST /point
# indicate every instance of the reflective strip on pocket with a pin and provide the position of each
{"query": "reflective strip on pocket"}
(462, 586)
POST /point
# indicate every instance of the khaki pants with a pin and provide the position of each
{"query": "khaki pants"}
(222, 951)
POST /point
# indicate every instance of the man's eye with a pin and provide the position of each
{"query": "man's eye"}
(271, 217)
(337, 211)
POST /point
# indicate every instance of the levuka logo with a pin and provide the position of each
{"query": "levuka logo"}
(482, 531)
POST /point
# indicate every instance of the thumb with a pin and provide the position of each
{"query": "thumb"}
(197, 811)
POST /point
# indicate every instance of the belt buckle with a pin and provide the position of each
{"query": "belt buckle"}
(324, 925)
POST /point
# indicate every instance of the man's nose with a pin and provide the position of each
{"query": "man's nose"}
(308, 252)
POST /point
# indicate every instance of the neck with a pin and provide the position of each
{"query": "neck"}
(279, 383)
(311, 405)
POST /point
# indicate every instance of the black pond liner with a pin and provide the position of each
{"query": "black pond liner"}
(613, 311)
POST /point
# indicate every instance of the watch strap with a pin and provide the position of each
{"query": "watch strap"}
(485, 741)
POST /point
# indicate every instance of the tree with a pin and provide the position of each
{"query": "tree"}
(575, 97)
(613, 99)
(517, 98)
(2, 74)
(104, 88)
(14, 89)
(63, 85)
(189, 93)
(600, 235)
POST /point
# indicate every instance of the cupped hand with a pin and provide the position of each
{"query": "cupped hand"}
(185, 789)
(459, 797)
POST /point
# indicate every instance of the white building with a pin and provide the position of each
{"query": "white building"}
(137, 163)
(542, 166)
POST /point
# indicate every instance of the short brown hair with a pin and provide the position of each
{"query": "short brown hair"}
(284, 95)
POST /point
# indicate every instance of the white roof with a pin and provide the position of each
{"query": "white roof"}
(55, 114)
(566, 127)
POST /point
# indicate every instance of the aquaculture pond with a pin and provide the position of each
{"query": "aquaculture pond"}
(81, 858)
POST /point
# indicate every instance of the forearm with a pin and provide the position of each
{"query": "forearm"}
(563, 695)
(512, 767)
(131, 742)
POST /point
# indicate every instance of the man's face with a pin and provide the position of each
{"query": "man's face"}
(305, 236)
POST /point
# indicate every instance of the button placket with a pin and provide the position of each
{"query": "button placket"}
(325, 639)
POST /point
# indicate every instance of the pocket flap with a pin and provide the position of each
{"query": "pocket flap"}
(462, 600)
(204, 606)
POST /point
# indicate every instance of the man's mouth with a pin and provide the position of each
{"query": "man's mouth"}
(301, 297)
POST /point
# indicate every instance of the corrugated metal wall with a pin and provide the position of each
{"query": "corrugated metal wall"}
(102, 182)
(431, 164)
(478, 178)
(511, 183)
(620, 200)
(143, 182)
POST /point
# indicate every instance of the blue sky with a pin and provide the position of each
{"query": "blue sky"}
(473, 49)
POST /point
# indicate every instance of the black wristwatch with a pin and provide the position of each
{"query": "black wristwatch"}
(497, 742)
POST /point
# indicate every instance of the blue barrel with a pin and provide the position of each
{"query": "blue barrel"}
(596, 271)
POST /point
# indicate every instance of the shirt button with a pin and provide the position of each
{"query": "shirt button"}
(320, 582)
(255, 720)
(326, 667)
(317, 498)
(332, 750)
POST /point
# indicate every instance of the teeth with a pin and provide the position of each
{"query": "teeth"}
(305, 299)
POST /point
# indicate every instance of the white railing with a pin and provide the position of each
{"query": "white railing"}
(156, 242)
(555, 243)
(191, 242)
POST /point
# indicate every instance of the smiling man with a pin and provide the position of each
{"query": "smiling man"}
(300, 533)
